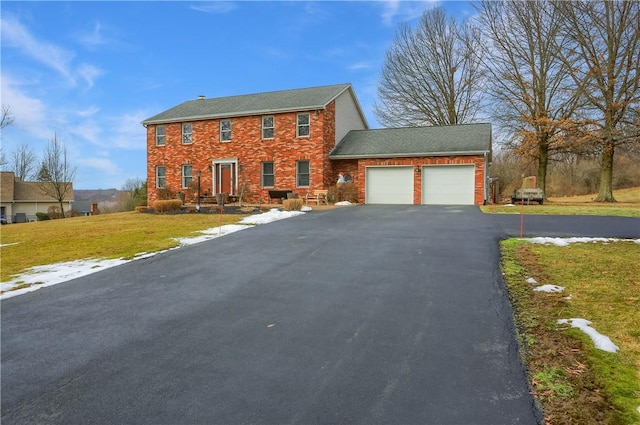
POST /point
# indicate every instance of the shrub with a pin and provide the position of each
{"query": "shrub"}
(40, 216)
(166, 193)
(169, 205)
(350, 192)
(292, 204)
(142, 209)
(54, 212)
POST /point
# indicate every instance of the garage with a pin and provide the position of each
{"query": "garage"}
(389, 185)
(448, 184)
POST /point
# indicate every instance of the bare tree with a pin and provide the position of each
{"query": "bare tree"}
(604, 52)
(534, 95)
(431, 75)
(6, 117)
(24, 162)
(134, 193)
(56, 174)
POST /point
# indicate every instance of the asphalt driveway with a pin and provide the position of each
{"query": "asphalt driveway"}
(367, 315)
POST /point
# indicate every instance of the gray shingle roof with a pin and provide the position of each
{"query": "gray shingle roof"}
(251, 104)
(465, 139)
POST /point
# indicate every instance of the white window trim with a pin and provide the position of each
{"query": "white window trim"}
(298, 173)
(305, 125)
(273, 167)
(164, 135)
(164, 177)
(273, 127)
(230, 131)
(184, 176)
(190, 134)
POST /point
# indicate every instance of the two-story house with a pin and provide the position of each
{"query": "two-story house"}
(300, 140)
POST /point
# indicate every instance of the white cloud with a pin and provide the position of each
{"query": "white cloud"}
(394, 10)
(94, 38)
(359, 66)
(101, 165)
(28, 112)
(214, 6)
(16, 35)
(90, 111)
(127, 132)
(89, 74)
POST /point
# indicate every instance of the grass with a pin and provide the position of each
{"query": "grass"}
(628, 205)
(572, 380)
(119, 235)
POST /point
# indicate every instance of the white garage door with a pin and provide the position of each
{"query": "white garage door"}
(448, 184)
(389, 185)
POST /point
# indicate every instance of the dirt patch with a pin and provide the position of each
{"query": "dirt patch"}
(573, 396)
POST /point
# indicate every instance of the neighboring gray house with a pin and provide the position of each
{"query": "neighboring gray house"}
(20, 201)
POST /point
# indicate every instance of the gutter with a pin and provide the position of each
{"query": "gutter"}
(408, 154)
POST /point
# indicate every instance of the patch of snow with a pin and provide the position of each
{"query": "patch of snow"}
(532, 281)
(51, 274)
(568, 241)
(509, 205)
(212, 233)
(601, 342)
(638, 242)
(9, 244)
(306, 208)
(343, 203)
(568, 297)
(270, 216)
(549, 288)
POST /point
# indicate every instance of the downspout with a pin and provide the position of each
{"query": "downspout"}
(486, 178)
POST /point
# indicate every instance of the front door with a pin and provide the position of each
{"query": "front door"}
(225, 176)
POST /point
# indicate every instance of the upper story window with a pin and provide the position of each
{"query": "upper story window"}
(268, 127)
(225, 130)
(268, 177)
(187, 175)
(302, 173)
(160, 135)
(302, 128)
(187, 133)
(161, 177)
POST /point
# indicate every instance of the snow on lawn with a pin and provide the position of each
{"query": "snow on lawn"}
(569, 241)
(42, 276)
(549, 288)
(532, 281)
(600, 341)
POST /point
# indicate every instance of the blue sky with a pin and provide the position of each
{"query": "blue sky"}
(90, 72)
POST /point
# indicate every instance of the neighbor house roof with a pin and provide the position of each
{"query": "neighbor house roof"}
(465, 139)
(15, 190)
(252, 104)
(32, 191)
(6, 185)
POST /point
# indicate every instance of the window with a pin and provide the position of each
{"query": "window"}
(161, 177)
(187, 176)
(187, 134)
(302, 174)
(268, 178)
(302, 129)
(225, 130)
(160, 138)
(268, 127)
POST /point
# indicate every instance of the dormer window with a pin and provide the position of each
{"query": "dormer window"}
(187, 134)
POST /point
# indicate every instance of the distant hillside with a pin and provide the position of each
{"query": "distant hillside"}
(97, 195)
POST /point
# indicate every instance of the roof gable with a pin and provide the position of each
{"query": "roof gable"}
(465, 139)
(251, 104)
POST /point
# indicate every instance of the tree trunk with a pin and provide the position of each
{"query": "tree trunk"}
(62, 209)
(543, 160)
(605, 190)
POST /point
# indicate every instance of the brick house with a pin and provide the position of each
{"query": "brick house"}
(299, 140)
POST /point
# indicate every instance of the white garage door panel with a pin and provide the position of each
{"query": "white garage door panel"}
(389, 185)
(448, 185)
